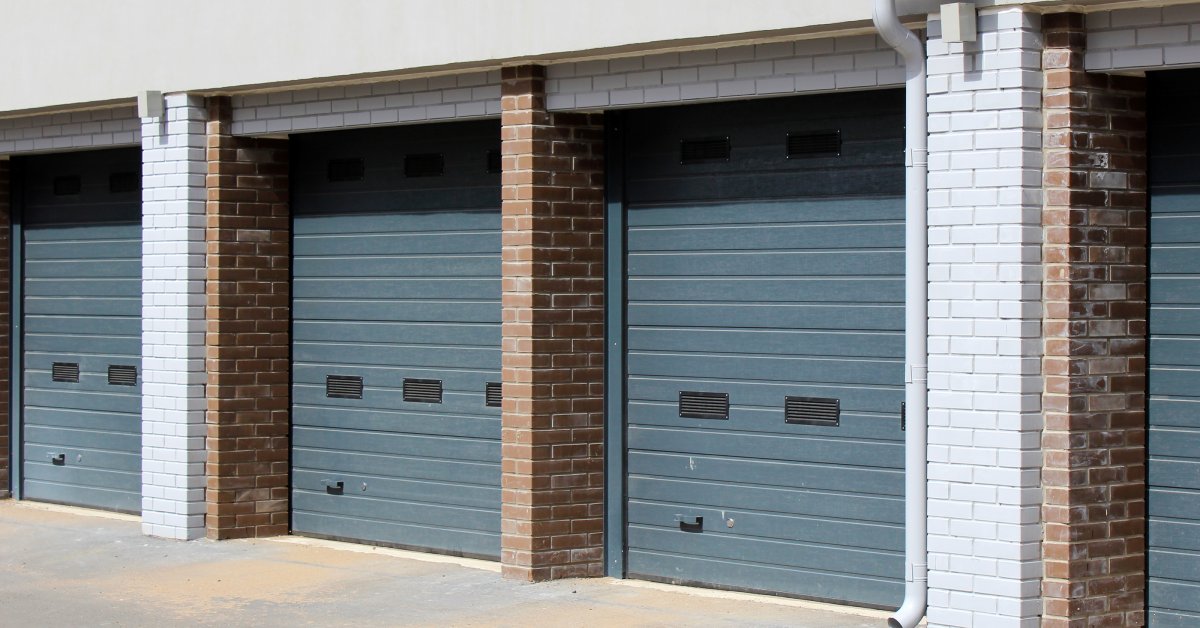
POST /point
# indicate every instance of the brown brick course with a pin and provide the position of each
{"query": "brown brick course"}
(553, 335)
(1094, 254)
(5, 324)
(247, 346)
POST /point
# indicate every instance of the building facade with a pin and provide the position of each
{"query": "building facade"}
(619, 290)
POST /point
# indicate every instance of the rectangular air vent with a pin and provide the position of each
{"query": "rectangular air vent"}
(424, 165)
(124, 182)
(423, 390)
(494, 165)
(64, 371)
(122, 375)
(812, 411)
(703, 405)
(67, 186)
(344, 170)
(493, 395)
(703, 150)
(343, 386)
(819, 144)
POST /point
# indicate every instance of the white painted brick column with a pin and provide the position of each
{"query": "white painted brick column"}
(985, 333)
(173, 222)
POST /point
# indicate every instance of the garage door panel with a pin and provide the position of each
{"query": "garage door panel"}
(1173, 381)
(753, 185)
(766, 316)
(1180, 351)
(80, 438)
(780, 526)
(1173, 503)
(109, 244)
(793, 480)
(92, 400)
(765, 394)
(1174, 320)
(766, 290)
(418, 243)
(1175, 290)
(782, 236)
(768, 421)
(774, 447)
(353, 504)
(397, 443)
(90, 472)
(1174, 534)
(110, 269)
(452, 266)
(769, 264)
(451, 541)
(404, 489)
(341, 220)
(50, 288)
(1181, 229)
(386, 380)
(391, 288)
(752, 212)
(414, 356)
(391, 311)
(413, 468)
(1178, 598)
(401, 333)
(1181, 412)
(51, 325)
(53, 347)
(736, 575)
(86, 496)
(765, 368)
(407, 422)
(84, 307)
(771, 341)
(468, 403)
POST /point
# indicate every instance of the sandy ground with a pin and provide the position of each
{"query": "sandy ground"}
(73, 567)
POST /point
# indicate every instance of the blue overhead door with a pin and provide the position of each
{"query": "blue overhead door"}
(1173, 535)
(81, 342)
(764, 335)
(396, 337)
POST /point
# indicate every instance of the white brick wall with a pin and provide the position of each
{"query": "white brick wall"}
(985, 332)
(99, 128)
(460, 96)
(173, 221)
(1136, 39)
(814, 65)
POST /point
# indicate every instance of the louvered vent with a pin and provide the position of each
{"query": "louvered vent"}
(703, 150)
(64, 371)
(66, 186)
(424, 165)
(703, 405)
(124, 182)
(343, 386)
(493, 162)
(122, 375)
(493, 395)
(820, 144)
(344, 170)
(423, 390)
(812, 411)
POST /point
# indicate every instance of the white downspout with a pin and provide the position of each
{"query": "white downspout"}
(916, 290)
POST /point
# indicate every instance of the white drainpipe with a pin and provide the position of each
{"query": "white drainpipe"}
(916, 291)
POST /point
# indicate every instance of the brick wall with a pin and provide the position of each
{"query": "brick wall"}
(553, 335)
(1094, 469)
(247, 341)
(80, 129)
(1149, 38)
(173, 171)
(985, 379)
(5, 326)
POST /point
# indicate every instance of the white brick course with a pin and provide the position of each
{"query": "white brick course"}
(1143, 39)
(173, 274)
(460, 96)
(99, 128)
(985, 314)
(817, 65)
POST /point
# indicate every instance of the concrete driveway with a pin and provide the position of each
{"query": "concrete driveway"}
(68, 566)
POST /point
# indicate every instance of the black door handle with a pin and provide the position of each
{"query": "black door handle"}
(690, 524)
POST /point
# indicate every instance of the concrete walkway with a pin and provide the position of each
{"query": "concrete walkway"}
(68, 566)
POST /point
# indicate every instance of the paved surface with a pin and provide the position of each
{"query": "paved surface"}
(58, 566)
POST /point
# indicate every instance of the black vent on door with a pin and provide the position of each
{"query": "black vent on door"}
(66, 186)
(64, 371)
(343, 170)
(819, 144)
(703, 150)
(493, 162)
(424, 165)
(343, 386)
(703, 405)
(122, 375)
(124, 182)
(423, 390)
(493, 395)
(812, 411)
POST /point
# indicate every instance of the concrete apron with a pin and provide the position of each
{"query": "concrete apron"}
(65, 564)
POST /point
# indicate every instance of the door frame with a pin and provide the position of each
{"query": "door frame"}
(16, 313)
(614, 346)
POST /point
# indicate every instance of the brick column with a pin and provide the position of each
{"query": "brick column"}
(553, 258)
(246, 340)
(5, 326)
(1094, 466)
(173, 169)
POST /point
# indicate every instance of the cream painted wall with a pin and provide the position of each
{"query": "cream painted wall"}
(65, 53)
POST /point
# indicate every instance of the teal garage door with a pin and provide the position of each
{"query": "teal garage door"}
(81, 227)
(1173, 474)
(764, 346)
(396, 337)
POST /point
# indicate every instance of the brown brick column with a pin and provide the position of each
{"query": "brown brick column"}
(5, 325)
(553, 468)
(247, 343)
(1094, 468)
